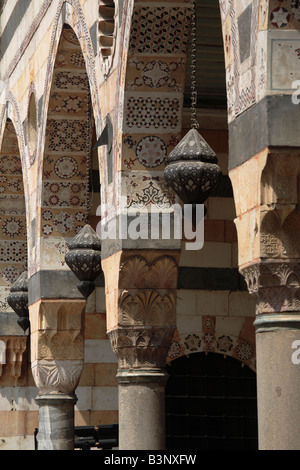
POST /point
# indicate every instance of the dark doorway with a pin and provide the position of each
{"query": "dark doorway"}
(211, 404)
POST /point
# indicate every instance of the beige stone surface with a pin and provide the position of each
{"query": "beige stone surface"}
(241, 304)
(245, 181)
(213, 254)
(248, 237)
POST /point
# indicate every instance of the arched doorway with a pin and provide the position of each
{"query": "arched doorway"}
(211, 404)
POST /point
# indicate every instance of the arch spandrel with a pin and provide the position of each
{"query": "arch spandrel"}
(217, 335)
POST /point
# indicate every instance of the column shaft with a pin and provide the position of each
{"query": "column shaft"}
(142, 411)
(57, 358)
(278, 381)
(56, 422)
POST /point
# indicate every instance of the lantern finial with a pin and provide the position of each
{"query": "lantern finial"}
(18, 300)
(84, 259)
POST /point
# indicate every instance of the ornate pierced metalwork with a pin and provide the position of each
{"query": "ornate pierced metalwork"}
(18, 300)
(84, 259)
(192, 170)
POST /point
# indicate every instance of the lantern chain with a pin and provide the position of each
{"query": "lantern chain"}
(194, 122)
(88, 156)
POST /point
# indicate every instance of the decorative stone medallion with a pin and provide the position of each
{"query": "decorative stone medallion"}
(66, 167)
(151, 151)
(156, 74)
(12, 227)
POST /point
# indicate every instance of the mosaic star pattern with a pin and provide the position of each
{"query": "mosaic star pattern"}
(64, 200)
(212, 338)
(13, 245)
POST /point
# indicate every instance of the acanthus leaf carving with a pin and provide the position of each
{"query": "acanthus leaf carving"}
(136, 272)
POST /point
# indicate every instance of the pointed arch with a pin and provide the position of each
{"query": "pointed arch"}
(67, 160)
(69, 13)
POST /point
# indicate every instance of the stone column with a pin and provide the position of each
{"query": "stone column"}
(142, 387)
(56, 422)
(277, 287)
(57, 354)
(141, 308)
(268, 225)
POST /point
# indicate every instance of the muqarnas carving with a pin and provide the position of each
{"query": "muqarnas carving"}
(57, 346)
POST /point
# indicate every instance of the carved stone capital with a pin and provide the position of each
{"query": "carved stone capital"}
(275, 284)
(57, 344)
(142, 347)
(141, 306)
(56, 377)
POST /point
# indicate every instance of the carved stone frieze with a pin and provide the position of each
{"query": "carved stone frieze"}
(276, 285)
(61, 346)
(279, 234)
(141, 347)
(12, 355)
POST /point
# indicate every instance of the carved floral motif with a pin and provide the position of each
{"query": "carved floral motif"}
(136, 272)
(276, 285)
(147, 307)
(141, 347)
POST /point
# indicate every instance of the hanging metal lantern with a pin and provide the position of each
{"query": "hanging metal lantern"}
(18, 300)
(192, 170)
(84, 259)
